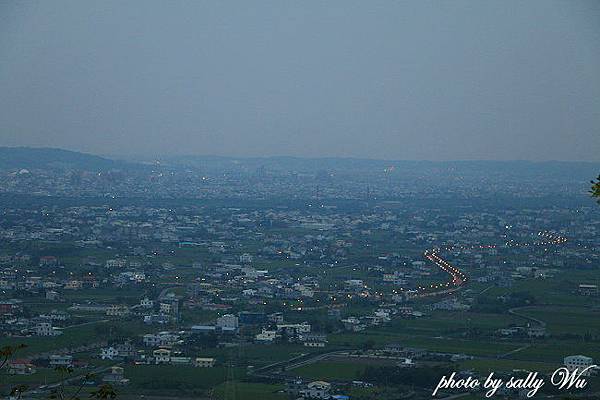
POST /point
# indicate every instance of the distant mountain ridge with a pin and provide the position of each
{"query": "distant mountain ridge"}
(45, 157)
(565, 169)
(40, 158)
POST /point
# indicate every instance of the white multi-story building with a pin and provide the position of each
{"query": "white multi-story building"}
(46, 329)
(166, 308)
(204, 362)
(73, 284)
(180, 360)
(160, 339)
(55, 316)
(580, 363)
(228, 321)
(162, 356)
(246, 258)
(59, 360)
(146, 303)
(119, 263)
(266, 336)
(108, 353)
(117, 310)
(317, 390)
(313, 340)
(294, 329)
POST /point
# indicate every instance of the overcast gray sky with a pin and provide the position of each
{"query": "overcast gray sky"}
(375, 79)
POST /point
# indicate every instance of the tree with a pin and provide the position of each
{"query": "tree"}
(6, 354)
(595, 192)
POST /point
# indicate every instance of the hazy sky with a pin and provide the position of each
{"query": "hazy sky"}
(376, 79)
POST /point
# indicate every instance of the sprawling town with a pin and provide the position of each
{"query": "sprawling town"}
(217, 278)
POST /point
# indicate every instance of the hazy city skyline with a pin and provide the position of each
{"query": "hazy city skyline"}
(389, 80)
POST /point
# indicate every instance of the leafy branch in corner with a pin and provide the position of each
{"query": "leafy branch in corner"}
(6, 354)
(102, 392)
(595, 191)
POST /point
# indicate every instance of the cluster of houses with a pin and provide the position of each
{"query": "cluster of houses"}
(317, 390)
(165, 352)
(14, 323)
(297, 270)
(531, 330)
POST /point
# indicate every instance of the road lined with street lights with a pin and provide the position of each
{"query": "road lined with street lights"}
(457, 277)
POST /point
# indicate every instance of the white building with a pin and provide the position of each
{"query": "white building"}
(294, 329)
(313, 340)
(73, 285)
(588, 290)
(108, 353)
(355, 283)
(166, 308)
(228, 321)
(246, 258)
(46, 329)
(317, 390)
(162, 356)
(580, 363)
(55, 316)
(59, 360)
(146, 303)
(180, 360)
(266, 336)
(204, 362)
(115, 263)
(160, 339)
(117, 310)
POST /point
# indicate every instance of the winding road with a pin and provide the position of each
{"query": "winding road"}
(457, 277)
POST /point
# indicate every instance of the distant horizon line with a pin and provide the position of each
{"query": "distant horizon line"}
(150, 157)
